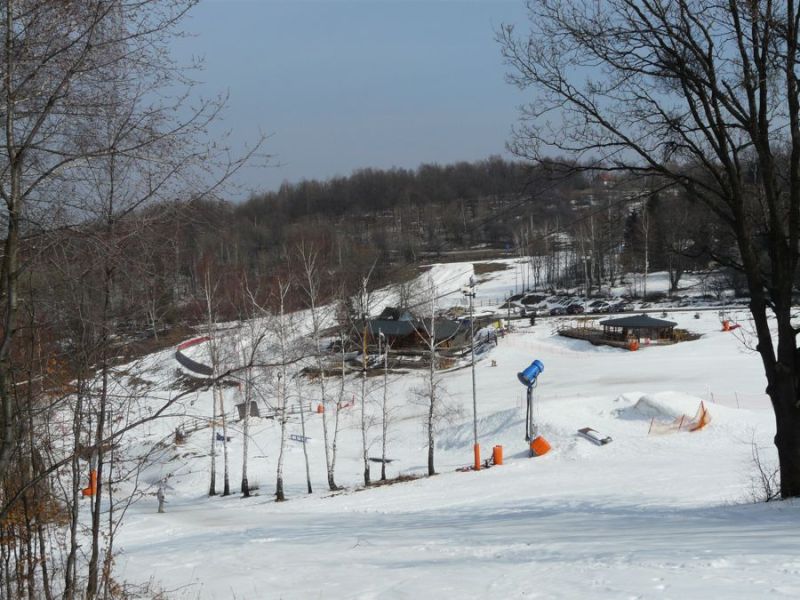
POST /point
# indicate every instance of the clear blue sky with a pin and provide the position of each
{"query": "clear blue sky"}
(344, 84)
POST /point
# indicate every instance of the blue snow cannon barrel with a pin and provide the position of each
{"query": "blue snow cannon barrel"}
(529, 375)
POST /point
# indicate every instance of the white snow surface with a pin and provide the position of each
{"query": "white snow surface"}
(668, 516)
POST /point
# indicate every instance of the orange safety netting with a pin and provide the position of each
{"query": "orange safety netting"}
(683, 423)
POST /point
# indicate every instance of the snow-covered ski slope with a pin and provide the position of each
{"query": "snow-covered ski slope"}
(498, 279)
(647, 516)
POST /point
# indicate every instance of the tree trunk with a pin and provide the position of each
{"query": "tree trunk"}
(432, 391)
(245, 487)
(226, 481)
(279, 495)
(384, 411)
(431, 469)
(74, 506)
(364, 449)
(305, 447)
(92, 586)
(212, 486)
(335, 438)
(787, 441)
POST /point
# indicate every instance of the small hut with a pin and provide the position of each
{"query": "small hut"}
(638, 327)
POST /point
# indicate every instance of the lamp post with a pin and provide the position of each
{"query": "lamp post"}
(469, 291)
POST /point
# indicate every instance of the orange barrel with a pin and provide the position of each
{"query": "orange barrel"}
(539, 446)
(477, 451)
(320, 408)
(497, 455)
(633, 345)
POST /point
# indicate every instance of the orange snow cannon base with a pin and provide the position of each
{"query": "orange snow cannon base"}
(539, 446)
(497, 455)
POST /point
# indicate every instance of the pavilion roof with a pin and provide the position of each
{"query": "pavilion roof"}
(642, 321)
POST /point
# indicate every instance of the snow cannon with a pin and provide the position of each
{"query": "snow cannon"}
(529, 375)
(529, 378)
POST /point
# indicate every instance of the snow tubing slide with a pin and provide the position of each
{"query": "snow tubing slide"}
(190, 364)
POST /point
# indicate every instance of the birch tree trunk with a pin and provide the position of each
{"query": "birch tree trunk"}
(245, 486)
(311, 288)
(282, 334)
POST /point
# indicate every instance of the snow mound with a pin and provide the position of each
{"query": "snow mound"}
(663, 405)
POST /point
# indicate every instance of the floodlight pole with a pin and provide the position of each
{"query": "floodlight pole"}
(476, 447)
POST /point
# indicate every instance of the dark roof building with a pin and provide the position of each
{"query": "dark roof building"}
(390, 327)
(401, 328)
(638, 326)
(391, 313)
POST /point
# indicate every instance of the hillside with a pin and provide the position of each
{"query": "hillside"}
(644, 516)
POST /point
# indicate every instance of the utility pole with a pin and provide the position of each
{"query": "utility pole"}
(469, 291)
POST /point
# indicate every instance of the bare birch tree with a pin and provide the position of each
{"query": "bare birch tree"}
(282, 332)
(431, 390)
(310, 284)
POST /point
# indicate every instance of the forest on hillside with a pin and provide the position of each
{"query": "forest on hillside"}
(578, 229)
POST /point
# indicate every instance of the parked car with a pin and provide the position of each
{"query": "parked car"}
(575, 309)
(542, 311)
(620, 307)
(601, 307)
(532, 299)
(558, 311)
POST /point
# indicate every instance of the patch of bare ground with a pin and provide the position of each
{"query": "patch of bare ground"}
(492, 267)
(392, 481)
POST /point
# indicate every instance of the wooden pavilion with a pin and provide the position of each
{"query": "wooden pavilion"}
(638, 327)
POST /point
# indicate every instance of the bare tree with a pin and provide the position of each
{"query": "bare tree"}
(254, 352)
(431, 391)
(310, 283)
(282, 408)
(644, 225)
(364, 310)
(702, 96)
(280, 327)
(302, 409)
(209, 289)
